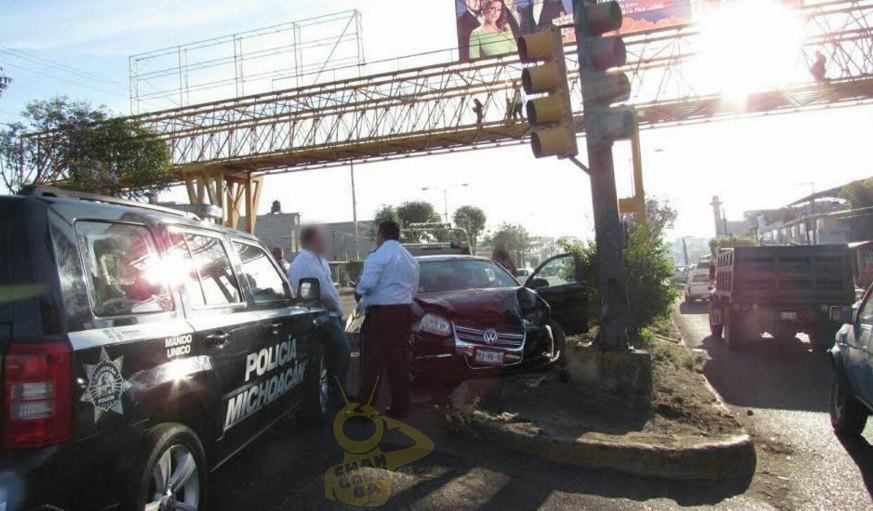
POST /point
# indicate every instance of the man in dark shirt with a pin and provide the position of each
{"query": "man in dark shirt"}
(467, 23)
(539, 15)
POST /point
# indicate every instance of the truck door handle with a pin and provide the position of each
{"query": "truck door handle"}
(217, 339)
(274, 327)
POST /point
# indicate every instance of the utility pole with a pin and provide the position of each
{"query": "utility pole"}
(355, 212)
(446, 204)
(685, 251)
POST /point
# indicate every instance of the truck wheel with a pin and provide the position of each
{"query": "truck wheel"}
(316, 402)
(171, 472)
(848, 416)
(732, 332)
(716, 320)
(821, 339)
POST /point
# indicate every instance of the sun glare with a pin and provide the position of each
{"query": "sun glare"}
(748, 46)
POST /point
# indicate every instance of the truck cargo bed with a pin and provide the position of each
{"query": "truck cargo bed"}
(786, 275)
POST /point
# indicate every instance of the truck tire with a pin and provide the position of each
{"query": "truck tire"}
(848, 416)
(716, 319)
(821, 338)
(316, 400)
(732, 331)
(172, 453)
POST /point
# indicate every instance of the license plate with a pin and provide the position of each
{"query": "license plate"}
(491, 358)
(788, 316)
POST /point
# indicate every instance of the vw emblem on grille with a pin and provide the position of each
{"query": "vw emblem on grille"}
(489, 336)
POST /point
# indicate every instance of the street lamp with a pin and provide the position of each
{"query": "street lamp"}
(445, 196)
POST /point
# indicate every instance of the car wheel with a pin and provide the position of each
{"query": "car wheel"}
(848, 416)
(172, 471)
(316, 401)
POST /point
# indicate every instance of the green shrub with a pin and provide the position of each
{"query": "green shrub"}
(648, 271)
(354, 267)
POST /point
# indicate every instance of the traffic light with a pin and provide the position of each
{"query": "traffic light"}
(550, 116)
(600, 89)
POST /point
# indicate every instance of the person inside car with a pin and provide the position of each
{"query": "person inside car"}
(501, 256)
(311, 263)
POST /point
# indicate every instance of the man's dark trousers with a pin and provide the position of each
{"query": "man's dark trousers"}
(385, 346)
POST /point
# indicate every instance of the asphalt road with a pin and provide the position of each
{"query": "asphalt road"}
(801, 465)
(779, 390)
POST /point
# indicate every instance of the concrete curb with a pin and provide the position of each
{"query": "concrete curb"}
(725, 458)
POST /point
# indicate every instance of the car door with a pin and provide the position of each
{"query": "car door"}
(559, 282)
(270, 295)
(860, 352)
(227, 330)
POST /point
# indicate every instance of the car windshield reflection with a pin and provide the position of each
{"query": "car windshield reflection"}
(458, 275)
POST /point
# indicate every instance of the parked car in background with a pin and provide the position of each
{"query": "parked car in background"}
(852, 360)
(680, 273)
(141, 349)
(697, 286)
(522, 274)
(478, 319)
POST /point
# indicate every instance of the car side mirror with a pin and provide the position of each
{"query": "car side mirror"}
(843, 314)
(538, 283)
(309, 289)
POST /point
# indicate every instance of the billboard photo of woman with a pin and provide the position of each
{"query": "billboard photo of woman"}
(494, 37)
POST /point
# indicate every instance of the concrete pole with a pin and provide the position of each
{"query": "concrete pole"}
(355, 212)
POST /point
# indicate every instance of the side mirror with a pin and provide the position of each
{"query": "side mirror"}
(538, 283)
(843, 314)
(309, 289)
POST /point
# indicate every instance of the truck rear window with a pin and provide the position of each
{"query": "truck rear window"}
(700, 278)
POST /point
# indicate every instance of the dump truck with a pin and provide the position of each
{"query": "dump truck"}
(780, 290)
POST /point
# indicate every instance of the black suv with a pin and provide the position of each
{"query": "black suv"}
(141, 349)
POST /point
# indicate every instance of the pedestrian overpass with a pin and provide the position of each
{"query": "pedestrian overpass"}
(222, 150)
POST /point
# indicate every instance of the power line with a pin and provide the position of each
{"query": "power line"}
(63, 67)
(64, 79)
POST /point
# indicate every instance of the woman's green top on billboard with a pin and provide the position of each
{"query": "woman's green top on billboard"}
(495, 36)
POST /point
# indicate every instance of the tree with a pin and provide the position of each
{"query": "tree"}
(472, 220)
(647, 269)
(660, 215)
(515, 239)
(384, 214)
(85, 148)
(716, 244)
(4, 81)
(417, 212)
(858, 193)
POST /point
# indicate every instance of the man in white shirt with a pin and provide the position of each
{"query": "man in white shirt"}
(387, 287)
(311, 263)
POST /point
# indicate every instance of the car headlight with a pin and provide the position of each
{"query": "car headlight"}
(434, 324)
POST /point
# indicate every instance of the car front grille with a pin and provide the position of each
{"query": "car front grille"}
(513, 340)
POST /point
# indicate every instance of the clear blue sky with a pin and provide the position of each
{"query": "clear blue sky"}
(749, 163)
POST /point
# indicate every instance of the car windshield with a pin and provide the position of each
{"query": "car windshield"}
(459, 274)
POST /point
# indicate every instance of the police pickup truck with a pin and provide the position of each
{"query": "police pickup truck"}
(141, 348)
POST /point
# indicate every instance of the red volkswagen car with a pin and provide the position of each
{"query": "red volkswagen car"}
(477, 318)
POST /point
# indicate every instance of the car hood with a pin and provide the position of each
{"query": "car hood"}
(475, 307)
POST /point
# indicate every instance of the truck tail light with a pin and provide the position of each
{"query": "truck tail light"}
(37, 394)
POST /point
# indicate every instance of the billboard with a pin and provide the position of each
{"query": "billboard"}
(489, 28)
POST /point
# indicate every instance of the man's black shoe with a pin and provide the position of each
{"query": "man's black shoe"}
(396, 414)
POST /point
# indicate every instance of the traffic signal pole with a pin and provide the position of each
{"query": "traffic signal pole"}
(603, 125)
(554, 135)
(609, 236)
